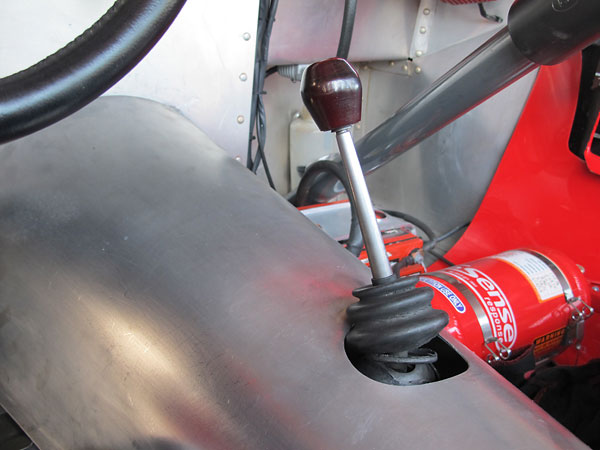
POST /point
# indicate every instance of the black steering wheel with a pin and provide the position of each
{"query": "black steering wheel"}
(84, 69)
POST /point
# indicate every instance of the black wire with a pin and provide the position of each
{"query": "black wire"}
(270, 21)
(261, 124)
(345, 35)
(347, 28)
(433, 242)
(256, 87)
(271, 71)
(261, 132)
(258, 121)
(429, 246)
(487, 16)
(408, 260)
(261, 136)
(440, 257)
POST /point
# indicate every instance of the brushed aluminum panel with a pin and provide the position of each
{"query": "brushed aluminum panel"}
(154, 294)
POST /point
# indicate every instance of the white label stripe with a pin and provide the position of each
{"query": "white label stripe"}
(540, 276)
(448, 293)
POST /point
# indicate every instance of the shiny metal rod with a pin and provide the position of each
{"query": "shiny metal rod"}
(380, 265)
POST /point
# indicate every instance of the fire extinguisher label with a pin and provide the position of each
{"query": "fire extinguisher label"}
(540, 276)
(456, 302)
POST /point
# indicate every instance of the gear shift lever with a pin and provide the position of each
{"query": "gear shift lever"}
(393, 318)
(332, 93)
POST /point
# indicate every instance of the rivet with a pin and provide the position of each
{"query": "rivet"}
(240, 119)
(423, 30)
(426, 11)
(243, 76)
(392, 63)
(418, 53)
(418, 69)
(246, 36)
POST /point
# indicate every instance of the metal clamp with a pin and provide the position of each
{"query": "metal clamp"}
(583, 312)
(578, 317)
(503, 353)
(482, 319)
(589, 308)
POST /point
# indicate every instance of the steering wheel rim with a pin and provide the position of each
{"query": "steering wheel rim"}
(84, 69)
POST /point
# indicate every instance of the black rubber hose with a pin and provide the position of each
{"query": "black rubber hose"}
(354, 244)
(83, 70)
(347, 29)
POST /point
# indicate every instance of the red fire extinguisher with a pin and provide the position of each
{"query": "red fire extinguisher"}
(517, 301)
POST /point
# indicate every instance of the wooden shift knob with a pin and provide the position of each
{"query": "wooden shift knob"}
(332, 93)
